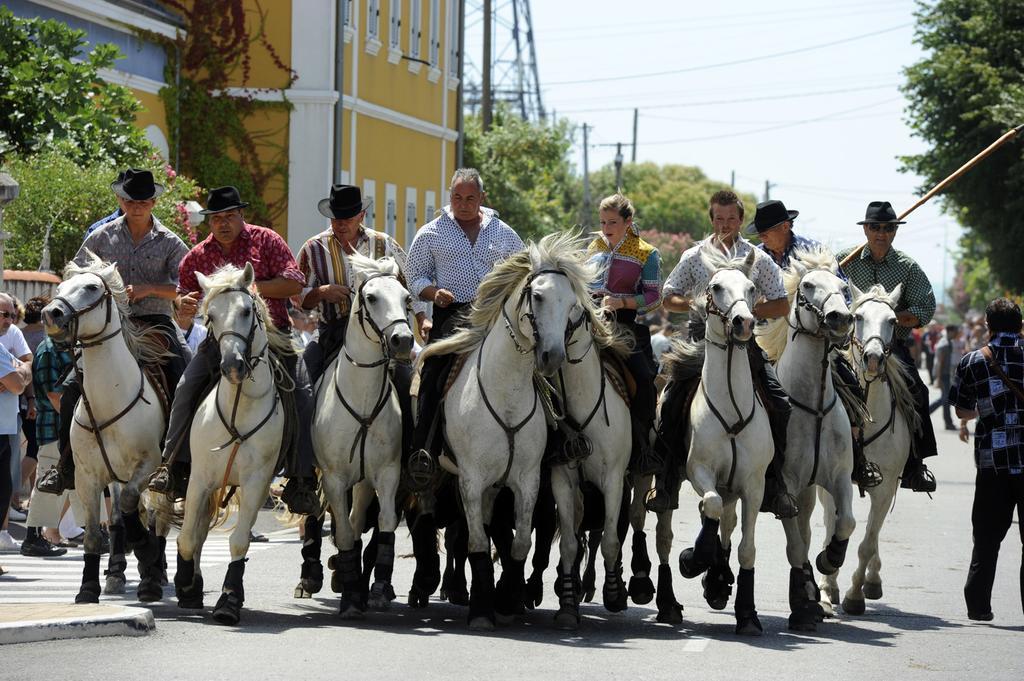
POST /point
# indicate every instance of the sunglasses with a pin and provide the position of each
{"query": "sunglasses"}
(888, 228)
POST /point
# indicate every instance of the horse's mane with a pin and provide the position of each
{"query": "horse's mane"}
(146, 344)
(364, 266)
(775, 334)
(900, 380)
(222, 280)
(562, 251)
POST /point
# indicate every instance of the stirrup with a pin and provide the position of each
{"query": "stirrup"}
(421, 469)
(922, 480)
(160, 482)
(783, 506)
(660, 500)
(866, 474)
(51, 482)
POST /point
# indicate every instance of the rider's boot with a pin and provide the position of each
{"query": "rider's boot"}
(59, 478)
(866, 474)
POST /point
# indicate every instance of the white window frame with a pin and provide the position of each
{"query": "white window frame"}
(373, 43)
(350, 20)
(411, 217)
(391, 212)
(452, 37)
(370, 192)
(434, 46)
(395, 31)
(415, 34)
(429, 206)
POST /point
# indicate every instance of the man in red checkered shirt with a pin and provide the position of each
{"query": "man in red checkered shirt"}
(233, 241)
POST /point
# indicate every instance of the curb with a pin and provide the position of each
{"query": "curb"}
(29, 622)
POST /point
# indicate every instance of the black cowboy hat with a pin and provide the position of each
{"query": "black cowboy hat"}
(880, 213)
(223, 199)
(346, 201)
(768, 215)
(136, 184)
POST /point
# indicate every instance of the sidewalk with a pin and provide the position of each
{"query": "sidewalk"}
(24, 623)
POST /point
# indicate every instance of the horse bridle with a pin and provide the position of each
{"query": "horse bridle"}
(712, 308)
(526, 296)
(251, 363)
(76, 315)
(881, 375)
(384, 394)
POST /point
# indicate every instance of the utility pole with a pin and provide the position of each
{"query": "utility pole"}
(768, 190)
(586, 179)
(636, 114)
(486, 94)
(618, 167)
(732, 179)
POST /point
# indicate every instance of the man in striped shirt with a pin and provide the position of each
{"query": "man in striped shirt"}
(880, 263)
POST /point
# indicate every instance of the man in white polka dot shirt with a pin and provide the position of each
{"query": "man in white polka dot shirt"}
(688, 279)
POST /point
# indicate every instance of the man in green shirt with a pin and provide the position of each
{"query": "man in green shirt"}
(880, 263)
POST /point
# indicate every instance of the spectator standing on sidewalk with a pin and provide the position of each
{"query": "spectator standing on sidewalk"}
(989, 386)
(15, 376)
(944, 369)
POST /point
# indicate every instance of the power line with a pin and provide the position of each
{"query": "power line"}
(715, 102)
(734, 62)
(776, 127)
(719, 121)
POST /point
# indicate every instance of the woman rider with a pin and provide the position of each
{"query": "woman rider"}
(630, 285)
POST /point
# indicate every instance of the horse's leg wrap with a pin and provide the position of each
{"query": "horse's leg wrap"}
(832, 558)
(508, 594)
(747, 621)
(568, 615)
(161, 563)
(614, 592)
(229, 606)
(669, 609)
(116, 563)
(147, 552)
(641, 588)
(311, 577)
(348, 571)
(481, 593)
(89, 592)
(427, 576)
(719, 578)
(135, 532)
(382, 592)
(802, 604)
(694, 562)
(188, 586)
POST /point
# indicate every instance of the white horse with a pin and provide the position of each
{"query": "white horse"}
(495, 426)
(596, 448)
(819, 450)
(357, 427)
(729, 444)
(887, 437)
(118, 425)
(236, 433)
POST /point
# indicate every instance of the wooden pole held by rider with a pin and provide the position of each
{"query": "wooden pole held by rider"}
(1008, 135)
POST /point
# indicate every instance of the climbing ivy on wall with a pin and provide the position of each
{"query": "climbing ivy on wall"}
(215, 134)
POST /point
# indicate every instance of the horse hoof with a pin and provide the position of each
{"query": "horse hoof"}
(853, 607)
(832, 593)
(641, 590)
(300, 592)
(228, 609)
(533, 593)
(114, 585)
(418, 599)
(615, 600)
(872, 590)
(588, 595)
(671, 614)
(481, 624)
(748, 625)
(827, 611)
(800, 622)
(88, 593)
(311, 586)
(149, 590)
(689, 566)
(567, 618)
(191, 603)
(824, 567)
(350, 611)
(162, 578)
(381, 595)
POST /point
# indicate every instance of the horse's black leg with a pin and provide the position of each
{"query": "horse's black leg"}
(719, 578)
(544, 523)
(508, 593)
(311, 578)
(641, 588)
(188, 586)
(746, 614)
(147, 552)
(456, 545)
(382, 592)
(481, 595)
(423, 528)
(348, 579)
(116, 562)
(228, 609)
(669, 609)
(590, 544)
(89, 592)
(695, 561)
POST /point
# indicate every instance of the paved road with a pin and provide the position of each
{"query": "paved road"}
(918, 630)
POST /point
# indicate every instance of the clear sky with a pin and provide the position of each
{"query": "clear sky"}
(824, 124)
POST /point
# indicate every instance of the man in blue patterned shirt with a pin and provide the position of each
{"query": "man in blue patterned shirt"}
(989, 386)
(880, 263)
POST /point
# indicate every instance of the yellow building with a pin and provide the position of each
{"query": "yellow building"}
(398, 85)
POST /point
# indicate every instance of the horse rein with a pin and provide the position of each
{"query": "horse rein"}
(881, 376)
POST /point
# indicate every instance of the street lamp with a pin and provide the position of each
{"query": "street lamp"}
(9, 190)
(618, 167)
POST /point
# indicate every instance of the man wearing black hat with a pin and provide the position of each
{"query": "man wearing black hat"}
(773, 224)
(235, 242)
(147, 256)
(880, 263)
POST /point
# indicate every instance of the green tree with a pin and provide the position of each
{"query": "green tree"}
(50, 91)
(59, 192)
(526, 171)
(668, 198)
(963, 95)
